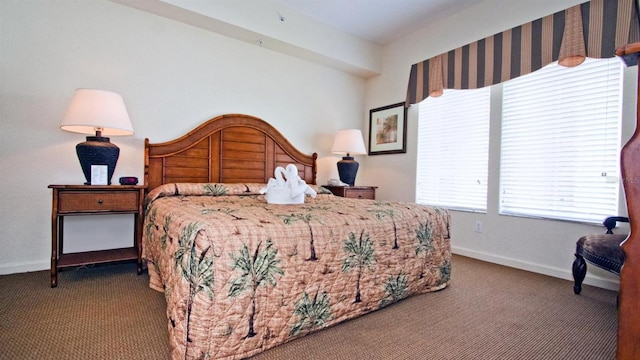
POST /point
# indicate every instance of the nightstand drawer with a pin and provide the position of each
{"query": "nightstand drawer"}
(71, 201)
(360, 193)
(354, 192)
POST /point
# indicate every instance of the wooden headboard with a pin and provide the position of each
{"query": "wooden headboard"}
(231, 148)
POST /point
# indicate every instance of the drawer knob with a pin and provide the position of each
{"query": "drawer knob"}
(100, 201)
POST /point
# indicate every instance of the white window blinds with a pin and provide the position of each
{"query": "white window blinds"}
(453, 150)
(560, 142)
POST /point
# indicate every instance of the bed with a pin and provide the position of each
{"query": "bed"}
(241, 275)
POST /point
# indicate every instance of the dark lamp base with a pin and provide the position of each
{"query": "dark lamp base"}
(97, 150)
(347, 169)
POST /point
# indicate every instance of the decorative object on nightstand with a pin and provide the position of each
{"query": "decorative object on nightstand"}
(103, 113)
(353, 192)
(349, 142)
(128, 180)
(94, 200)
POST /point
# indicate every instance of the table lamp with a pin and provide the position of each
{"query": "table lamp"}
(349, 142)
(103, 113)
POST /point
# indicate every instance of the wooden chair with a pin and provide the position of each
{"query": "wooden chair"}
(601, 250)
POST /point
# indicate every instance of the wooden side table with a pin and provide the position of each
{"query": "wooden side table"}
(355, 192)
(69, 200)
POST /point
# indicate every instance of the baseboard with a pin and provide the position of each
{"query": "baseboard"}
(565, 274)
(24, 267)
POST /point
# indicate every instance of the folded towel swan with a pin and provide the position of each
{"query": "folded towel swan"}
(287, 187)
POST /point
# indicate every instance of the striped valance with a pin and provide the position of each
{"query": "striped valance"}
(592, 29)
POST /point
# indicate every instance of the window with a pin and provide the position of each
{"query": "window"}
(453, 150)
(560, 142)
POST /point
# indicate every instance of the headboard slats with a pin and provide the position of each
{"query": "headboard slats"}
(229, 148)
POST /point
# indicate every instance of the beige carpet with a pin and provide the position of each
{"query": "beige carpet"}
(488, 312)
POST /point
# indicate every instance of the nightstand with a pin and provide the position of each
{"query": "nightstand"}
(354, 192)
(70, 200)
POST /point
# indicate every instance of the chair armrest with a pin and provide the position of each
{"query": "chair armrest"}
(611, 222)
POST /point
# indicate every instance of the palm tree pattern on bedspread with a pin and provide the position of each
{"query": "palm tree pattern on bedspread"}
(241, 276)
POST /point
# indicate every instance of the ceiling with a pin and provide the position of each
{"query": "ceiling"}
(379, 21)
(344, 34)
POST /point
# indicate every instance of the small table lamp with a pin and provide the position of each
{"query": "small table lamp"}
(349, 142)
(104, 113)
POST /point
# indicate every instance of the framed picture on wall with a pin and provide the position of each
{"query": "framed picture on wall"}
(388, 130)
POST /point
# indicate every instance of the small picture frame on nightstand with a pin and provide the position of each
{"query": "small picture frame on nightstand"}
(99, 175)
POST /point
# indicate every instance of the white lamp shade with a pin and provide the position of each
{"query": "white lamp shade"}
(348, 141)
(92, 110)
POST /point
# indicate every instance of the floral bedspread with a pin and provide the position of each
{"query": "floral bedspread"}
(241, 276)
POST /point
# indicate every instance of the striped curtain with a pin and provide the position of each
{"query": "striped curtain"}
(592, 29)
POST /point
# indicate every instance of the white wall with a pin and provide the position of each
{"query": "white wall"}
(537, 245)
(172, 76)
